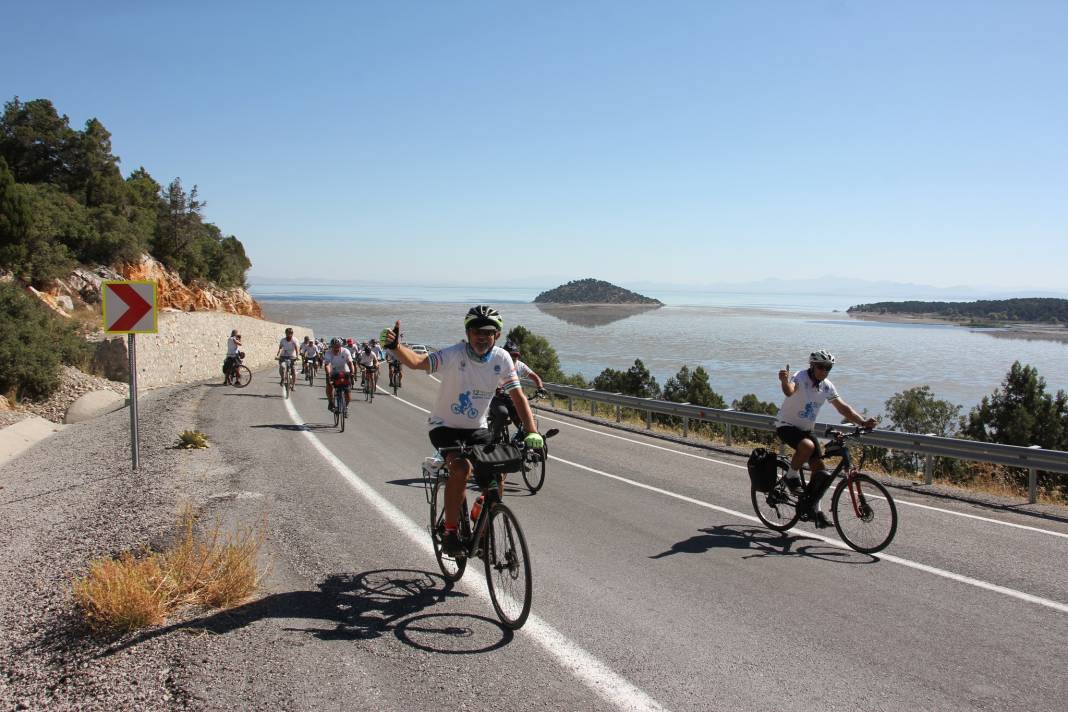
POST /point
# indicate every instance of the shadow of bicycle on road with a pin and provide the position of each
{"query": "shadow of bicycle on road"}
(360, 606)
(762, 543)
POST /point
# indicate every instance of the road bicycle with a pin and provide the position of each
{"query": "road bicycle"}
(341, 410)
(491, 532)
(863, 510)
(309, 371)
(535, 460)
(370, 380)
(239, 374)
(289, 374)
(395, 376)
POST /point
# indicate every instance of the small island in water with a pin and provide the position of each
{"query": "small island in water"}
(1027, 318)
(593, 302)
(594, 291)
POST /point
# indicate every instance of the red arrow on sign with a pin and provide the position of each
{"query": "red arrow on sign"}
(136, 307)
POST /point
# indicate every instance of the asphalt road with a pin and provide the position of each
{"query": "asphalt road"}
(655, 586)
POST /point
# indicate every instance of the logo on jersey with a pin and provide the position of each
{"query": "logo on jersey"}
(497, 368)
(463, 406)
(809, 413)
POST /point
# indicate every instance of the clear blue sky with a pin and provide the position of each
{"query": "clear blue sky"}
(691, 142)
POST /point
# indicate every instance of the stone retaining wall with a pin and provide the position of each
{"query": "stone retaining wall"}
(191, 346)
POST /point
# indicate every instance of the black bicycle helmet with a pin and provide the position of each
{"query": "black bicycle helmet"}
(511, 347)
(481, 316)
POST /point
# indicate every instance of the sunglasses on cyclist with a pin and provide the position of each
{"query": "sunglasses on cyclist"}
(825, 366)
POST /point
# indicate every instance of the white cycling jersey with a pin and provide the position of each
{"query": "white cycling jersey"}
(289, 347)
(468, 384)
(341, 362)
(800, 409)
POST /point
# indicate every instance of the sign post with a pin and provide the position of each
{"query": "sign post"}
(130, 308)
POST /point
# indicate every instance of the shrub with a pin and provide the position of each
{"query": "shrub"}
(33, 344)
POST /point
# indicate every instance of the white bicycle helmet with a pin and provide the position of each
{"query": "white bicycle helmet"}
(822, 356)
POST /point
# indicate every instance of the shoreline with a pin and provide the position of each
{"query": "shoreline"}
(1028, 331)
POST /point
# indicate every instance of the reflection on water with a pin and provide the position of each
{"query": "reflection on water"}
(741, 348)
(593, 315)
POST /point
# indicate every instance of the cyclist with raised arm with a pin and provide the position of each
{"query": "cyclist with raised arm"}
(233, 351)
(806, 391)
(338, 363)
(470, 371)
(287, 351)
(522, 371)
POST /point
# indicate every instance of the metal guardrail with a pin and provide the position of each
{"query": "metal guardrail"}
(1032, 459)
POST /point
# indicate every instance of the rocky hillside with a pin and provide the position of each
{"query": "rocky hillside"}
(593, 291)
(80, 290)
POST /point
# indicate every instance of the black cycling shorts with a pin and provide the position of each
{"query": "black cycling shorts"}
(793, 436)
(443, 437)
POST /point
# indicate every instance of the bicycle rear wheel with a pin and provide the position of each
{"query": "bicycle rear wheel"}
(508, 568)
(240, 376)
(534, 464)
(451, 568)
(866, 519)
(777, 508)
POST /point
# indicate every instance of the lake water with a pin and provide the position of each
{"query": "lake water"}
(742, 340)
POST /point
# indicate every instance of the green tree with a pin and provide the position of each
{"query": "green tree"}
(693, 387)
(635, 381)
(27, 246)
(749, 403)
(35, 141)
(537, 353)
(1021, 412)
(917, 410)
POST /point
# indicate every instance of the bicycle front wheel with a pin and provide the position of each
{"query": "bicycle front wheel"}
(534, 464)
(777, 508)
(864, 514)
(240, 376)
(508, 568)
(451, 568)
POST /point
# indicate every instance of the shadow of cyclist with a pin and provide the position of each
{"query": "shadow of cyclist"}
(761, 542)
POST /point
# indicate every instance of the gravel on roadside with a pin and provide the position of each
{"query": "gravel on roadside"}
(73, 498)
(73, 384)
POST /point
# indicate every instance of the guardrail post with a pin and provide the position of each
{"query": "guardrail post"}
(729, 440)
(648, 420)
(570, 403)
(552, 404)
(928, 469)
(619, 414)
(685, 427)
(1032, 482)
(593, 408)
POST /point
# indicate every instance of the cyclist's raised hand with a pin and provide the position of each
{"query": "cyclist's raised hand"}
(389, 337)
(784, 374)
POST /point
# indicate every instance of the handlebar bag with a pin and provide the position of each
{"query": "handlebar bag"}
(496, 459)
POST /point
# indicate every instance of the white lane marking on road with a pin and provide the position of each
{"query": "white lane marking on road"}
(1063, 608)
(602, 680)
(742, 467)
(433, 377)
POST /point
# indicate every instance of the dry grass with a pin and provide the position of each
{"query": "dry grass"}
(192, 440)
(129, 592)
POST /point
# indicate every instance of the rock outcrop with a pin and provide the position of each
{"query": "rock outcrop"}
(173, 293)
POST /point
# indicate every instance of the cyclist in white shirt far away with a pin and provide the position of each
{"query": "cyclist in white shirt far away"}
(233, 347)
(522, 371)
(470, 371)
(805, 392)
(287, 350)
(337, 362)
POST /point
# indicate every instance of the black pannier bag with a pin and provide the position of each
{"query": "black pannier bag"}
(763, 469)
(496, 459)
